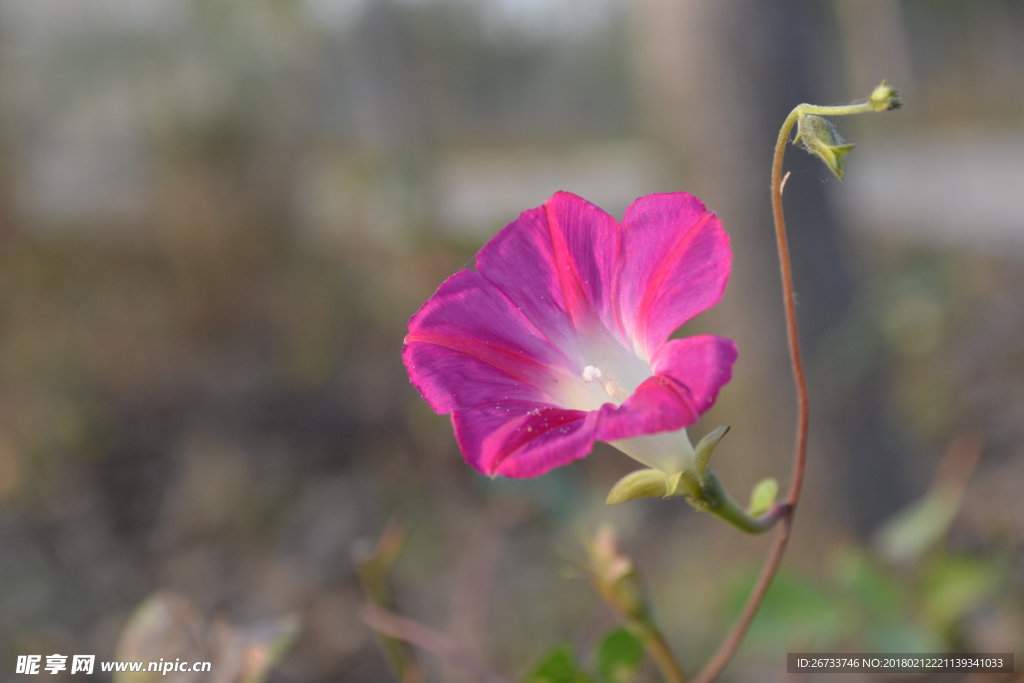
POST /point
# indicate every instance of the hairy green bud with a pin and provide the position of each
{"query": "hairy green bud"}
(885, 97)
(819, 137)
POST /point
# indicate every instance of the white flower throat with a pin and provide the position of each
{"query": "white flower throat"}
(592, 373)
(610, 370)
(669, 452)
(600, 370)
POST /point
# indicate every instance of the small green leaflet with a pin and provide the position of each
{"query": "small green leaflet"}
(558, 666)
(619, 657)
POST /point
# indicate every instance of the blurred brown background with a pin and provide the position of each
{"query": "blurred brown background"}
(216, 217)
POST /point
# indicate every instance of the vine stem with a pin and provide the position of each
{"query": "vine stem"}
(778, 548)
(662, 655)
(615, 578)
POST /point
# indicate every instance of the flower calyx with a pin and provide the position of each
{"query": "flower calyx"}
(885, 97)
(819, 137)
(687, 482)
(702, 488)
(706, 446)
(646, 483)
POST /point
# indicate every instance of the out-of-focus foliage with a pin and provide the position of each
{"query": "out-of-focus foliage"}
(907, 593)
(167, 626)
(374, 567)
(558, 666)
(617, 660)
(619, 656)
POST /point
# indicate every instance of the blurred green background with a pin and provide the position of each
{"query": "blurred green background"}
(216, 217)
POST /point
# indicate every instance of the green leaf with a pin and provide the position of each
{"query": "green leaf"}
(796, 611)
(955, 585)
(164, 625)
(262, 646)
(877, 592)
(916, 528)
(875, 604)
(558, 666)
(908, 635)
(619, 657)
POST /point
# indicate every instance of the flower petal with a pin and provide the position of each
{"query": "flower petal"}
(660, 404)
(675, 264)
(688, 374)
(556, 263)
(702, 363)
(523, 439)
(469, 346)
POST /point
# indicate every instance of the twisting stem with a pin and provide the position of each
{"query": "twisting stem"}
(715, 500)
(778, 547)
(792, 330)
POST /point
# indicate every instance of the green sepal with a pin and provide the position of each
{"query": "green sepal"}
(920, 526)
(641, 484)
(706, 446)
(763, 497)
(819, 137)
(691, 486)
(672, 484)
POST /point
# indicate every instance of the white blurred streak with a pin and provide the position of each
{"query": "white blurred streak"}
(545, 18)
(533, 20)
(958, 189)
(334, 14)
(28, 20)
(476, 193)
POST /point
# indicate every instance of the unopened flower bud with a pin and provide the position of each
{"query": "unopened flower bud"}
(885, 97)
(819, 137)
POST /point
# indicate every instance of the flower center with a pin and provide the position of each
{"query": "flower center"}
(591, 373)
(599, 370)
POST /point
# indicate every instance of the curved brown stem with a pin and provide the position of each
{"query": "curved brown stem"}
(728, 647)
(882, 98)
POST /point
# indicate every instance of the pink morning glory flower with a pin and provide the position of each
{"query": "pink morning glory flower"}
(560, 337)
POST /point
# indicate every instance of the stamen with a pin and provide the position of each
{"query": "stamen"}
(590, 373)
(614, 390)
